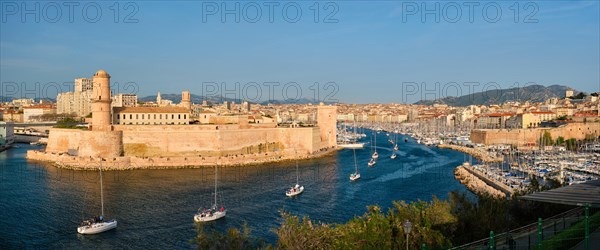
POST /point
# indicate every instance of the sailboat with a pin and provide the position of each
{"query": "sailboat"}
(393, 156)
(372, 162)
(212, 213)
(395, 144)
(356, 175)
(296, 189)
(97, 224)
(375, 154)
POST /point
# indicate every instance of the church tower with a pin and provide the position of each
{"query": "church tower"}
(101, 102)
(185, 100)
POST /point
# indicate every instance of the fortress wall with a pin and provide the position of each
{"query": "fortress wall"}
(85, 143)
(192, 140)
(300, 140)
(520, 137)
(63, 140)
(578, 131)
(101, 144)
(327, 120)
(187, 128)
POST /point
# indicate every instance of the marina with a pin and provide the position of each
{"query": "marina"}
(502, 169)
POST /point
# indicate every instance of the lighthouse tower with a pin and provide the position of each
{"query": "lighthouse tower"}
(101, 102)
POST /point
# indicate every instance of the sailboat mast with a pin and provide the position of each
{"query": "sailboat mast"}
(216, 176)
(355, 165)
(296, 153)
(101, 190)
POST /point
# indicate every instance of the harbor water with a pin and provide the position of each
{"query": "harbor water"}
(41, 206)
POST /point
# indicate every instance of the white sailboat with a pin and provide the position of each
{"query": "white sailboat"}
(97, 224)
(375, 154)
(372, 162)
(393, 156)
(212, 213)
(356, 175)
(296, 189)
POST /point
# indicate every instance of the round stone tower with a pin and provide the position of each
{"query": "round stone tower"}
(101, 102)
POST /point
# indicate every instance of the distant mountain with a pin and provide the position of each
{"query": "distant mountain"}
(36, 99)
(532, 93)
(176, 98)
(294, 101)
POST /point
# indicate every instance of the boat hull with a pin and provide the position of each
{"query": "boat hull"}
(352, 145)
(97, 227)
(354, 177)
(292, 194)
(215, 216)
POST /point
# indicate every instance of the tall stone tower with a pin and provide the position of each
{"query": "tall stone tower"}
(185, 100)
(101, 102)
(327, 122)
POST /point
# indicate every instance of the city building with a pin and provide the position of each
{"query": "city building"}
(151, 116)
(124, 100)
(493, 120)
(34, 113)
(245, 107)
(24, 102)
(78, 103)
(205, 116)
(83, 84)
(12, 115)
(569, 93)
(7, 136)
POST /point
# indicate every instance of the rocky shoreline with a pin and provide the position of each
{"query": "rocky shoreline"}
(66, 161)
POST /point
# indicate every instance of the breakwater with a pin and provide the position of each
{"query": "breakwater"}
(476, 152)
(475, 182)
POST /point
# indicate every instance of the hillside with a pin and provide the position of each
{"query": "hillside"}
(532, 93)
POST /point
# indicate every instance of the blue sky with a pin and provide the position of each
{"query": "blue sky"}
(373, 53)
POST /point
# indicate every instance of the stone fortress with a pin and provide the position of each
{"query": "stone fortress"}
(153, 145)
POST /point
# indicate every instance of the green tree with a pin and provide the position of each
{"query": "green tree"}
(580, 95)
(234, 238)
(560, 141)
(546, 139)
(571, 144)
(67, 123)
